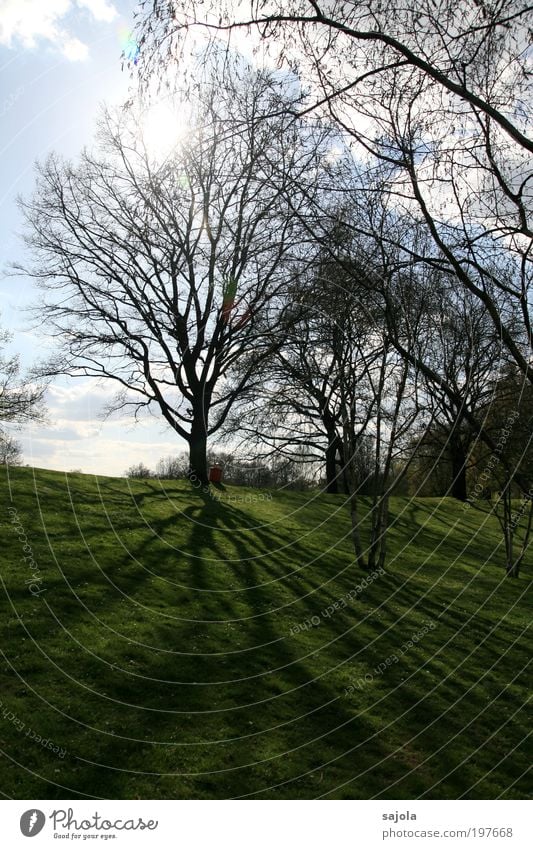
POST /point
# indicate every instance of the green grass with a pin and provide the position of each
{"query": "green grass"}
(160, 658)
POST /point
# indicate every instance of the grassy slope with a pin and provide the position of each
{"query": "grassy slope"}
(160, 656)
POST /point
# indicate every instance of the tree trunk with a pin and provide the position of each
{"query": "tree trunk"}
(513, 569)
(198, 454)
(342, 471)
(509, 523)
(356, 536)
(342, 477)
(331, 465)
(378, 541)
(458, 458)
(512, 565)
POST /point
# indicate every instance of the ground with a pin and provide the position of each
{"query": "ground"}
(160, 643)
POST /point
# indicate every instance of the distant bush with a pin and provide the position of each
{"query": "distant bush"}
(170, 468)
(139, 471)
(10, 450)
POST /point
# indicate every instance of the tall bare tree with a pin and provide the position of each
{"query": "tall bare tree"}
(161, 277)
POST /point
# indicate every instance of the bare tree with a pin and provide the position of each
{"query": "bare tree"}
(440, 99)
(172, 467)
(10, 450)
(296, 410)
(138, 471)
(161, 277)
(21, 401)
(458, 341)
(336, 391)
(21, 398)
(508, 416)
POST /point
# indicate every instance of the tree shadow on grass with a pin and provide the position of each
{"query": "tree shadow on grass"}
(289, 700)
(242, 700)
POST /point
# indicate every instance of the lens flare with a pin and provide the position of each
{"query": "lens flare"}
(129, 46)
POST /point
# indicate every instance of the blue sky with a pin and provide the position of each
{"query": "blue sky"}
(59, 60)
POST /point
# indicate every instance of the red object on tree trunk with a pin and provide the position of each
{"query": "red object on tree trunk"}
(215, 473)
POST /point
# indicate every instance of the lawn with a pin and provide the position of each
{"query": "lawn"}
(163, 644)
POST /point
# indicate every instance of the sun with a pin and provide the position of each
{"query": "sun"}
(163, 125)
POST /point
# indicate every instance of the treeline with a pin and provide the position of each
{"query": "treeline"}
(323, 276)
(238, 471)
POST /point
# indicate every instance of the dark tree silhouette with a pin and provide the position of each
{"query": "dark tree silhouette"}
(162, 276)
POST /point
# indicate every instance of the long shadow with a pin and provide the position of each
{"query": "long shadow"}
(262, 699)
(227, 668)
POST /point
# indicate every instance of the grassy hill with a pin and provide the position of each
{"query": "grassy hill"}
(159, 643)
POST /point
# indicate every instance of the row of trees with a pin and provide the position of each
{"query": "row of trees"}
(440, 122)
(277, 473)
(337, 276)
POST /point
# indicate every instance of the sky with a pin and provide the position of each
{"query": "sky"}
(60, 60)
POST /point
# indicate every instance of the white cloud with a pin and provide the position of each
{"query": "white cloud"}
(73, 49)
(69, 430)
(28, 22)
(107, 453)
(101, 10)
(75, 437)
(81, 400)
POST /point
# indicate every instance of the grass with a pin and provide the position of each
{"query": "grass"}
(165, 652)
